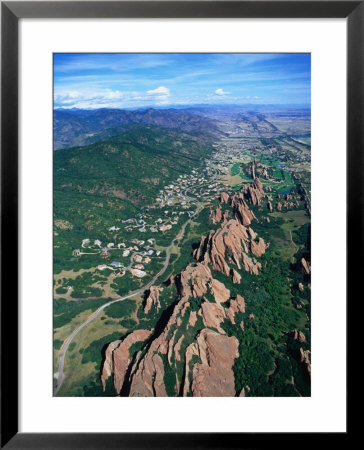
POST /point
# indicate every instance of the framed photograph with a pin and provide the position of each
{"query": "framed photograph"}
(180, 196)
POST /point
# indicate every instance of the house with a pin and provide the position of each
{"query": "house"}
(105, 254)
(110, 245)
(114, 228)
(76, 252)
(147, 260)
(138, 258)
(158, 252)
(139, 266)
(97, 242)
(116, 264)
(121, 245)
(138, 273)
(126, 253)
(102, 266)
(85, 242)
(165, 227)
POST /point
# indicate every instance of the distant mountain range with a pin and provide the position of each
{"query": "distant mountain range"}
(82, 127)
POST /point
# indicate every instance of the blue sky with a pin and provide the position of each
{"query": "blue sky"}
(104, 80)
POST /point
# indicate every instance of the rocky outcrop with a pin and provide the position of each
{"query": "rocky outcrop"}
(236, 277)
(253, 235)
(237, 305)
(213, 376)
(148, 380)
(152, 299)
(118, 358)
(108, 367)
(241, 210)
(177, 347)
(230, 242)
(194, 282)
(300, 287)
(250, 265)
(255, 192)
(305, 267)
(219, 291)
(253, 170)
(270, 206)
(217, 215)
(279, 206)
(298, 335)
(212, 315)
(258, 248)
(305, 360)
(224, 198)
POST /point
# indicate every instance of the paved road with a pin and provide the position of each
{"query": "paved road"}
(95, 314)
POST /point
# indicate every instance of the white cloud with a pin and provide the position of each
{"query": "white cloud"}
(221, 92)
(161, 90)
(108, 98)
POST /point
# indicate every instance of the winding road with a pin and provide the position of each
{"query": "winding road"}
(67, 342)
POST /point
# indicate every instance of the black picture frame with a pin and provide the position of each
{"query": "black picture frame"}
(11, 12)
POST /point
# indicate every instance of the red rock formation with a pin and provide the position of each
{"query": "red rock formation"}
(270, 207)
(237, 305)
(236, 277)
(300, 286)
(108, 367)
(299, 335)
(177, 347)
(279, 206)
(305, 360)
(217, 215)
(305, 266)
(253, 170)
(219, 291)
(195, 281)
(117, 358)
(230, 241)
(226, 215)
(255, 192)
(214, 376)
(242, 211)
(198, 251)
(258, 248)
(253, 235)
(212, 315)
(153, 299)
(250, 265)
(251, 316)
(224, 198)
(148, 381)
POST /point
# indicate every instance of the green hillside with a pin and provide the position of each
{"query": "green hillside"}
(109, 181)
